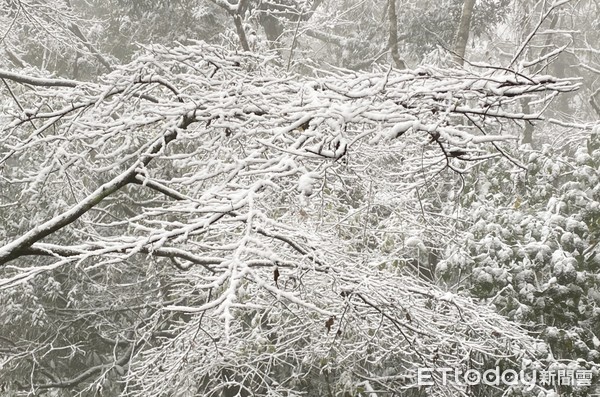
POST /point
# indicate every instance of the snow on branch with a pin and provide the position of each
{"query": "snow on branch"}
(199, 182)
(278, 119)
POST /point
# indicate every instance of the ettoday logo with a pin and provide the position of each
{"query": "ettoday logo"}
(494, 377)
(508, 377)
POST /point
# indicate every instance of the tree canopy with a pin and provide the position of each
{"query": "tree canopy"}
(218, 216)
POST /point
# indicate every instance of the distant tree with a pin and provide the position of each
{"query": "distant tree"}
(463, 30)
(50, 35)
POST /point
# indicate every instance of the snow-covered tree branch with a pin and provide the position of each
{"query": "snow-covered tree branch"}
(184, 216)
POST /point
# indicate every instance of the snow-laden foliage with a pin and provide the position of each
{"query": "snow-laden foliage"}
(188, 225)
(531, 249)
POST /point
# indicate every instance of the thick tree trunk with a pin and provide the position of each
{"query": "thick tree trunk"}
(462, 34)
(239, 25)
(271, 25)
(394, 35)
